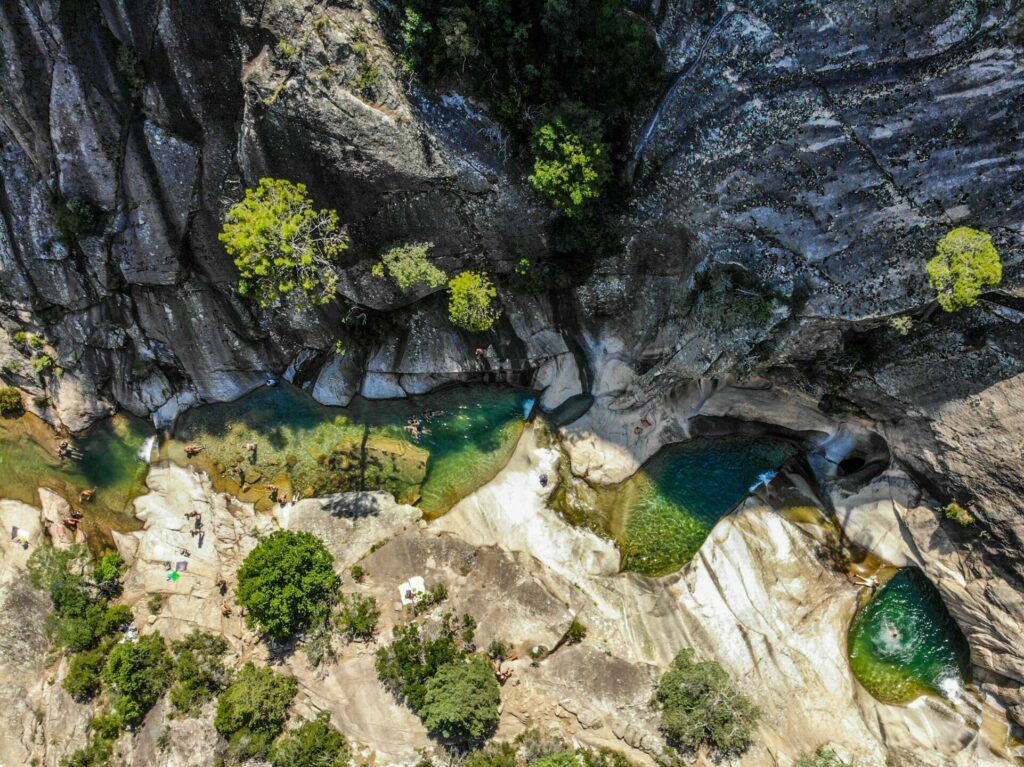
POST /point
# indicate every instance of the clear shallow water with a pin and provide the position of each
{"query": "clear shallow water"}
(110, 464)
(469, 434)
(904, 643)
(661, 515)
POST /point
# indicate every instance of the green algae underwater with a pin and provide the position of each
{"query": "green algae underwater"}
(662, 515)
(904, 643)
(465, 435)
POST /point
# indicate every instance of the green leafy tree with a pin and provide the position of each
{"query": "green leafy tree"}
(471, 301)
(460, 702)
(85, 674)
(280, 243)
(199, 672)
(252, 711)
(409, 265)
(286, 582)
(137, 673)
(10, 400)
(406, 665)
(313, 744)
(571, 167)
(700, 707)
(966, 262)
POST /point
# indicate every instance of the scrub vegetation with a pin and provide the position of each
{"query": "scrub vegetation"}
(701, 708)
(966, 263)
(441, 677)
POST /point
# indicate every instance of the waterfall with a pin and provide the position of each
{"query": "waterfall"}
(145, 453)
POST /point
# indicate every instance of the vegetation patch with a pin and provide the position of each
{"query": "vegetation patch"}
(281, 243)
(442, 679)
(286, 582)
(700, 707)
(252, 711)
(199, 672)
(966, 263)
(10, 401)
(409, 265)
(313, 744)
(471, 301)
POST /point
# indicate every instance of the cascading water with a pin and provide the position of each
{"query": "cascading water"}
(148, 447)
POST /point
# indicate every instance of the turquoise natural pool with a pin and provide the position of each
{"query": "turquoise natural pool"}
(312, 449)
(111, 463)
(904, 643)
(662, 514)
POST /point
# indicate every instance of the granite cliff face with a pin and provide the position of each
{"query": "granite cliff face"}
(784, 195)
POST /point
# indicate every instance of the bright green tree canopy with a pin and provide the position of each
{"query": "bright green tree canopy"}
(570, 167)
(965, 263)
(314, 744)
(471, 301)
(286, 581)
(280, 243)
(461, 700)
(409, 265)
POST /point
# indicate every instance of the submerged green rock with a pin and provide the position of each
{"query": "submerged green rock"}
(904, 643)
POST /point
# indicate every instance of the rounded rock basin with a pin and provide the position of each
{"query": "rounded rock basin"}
(662, 515)
(904, 643)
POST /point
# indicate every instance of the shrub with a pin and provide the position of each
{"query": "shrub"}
(286, 582)
(41, 363)
(199, 673)
(409, 265)
(313, 744)
(280, 243)
(497, 649)
(137, 674)
(76, 217)
(566, 758)
(700, 707)
(427, 599)
(822, 757)
(107, 573)
(471, 301)
(96, 754)
(406, 665)
(958, 514)
(85, 674)
(570, 167)
(965, 263)
(10, 400)
(115, 619)
(461, 699)
(358, 573)
(358, 616)
(576, 632)
(252, 711)
(902, 325)
(494, 755)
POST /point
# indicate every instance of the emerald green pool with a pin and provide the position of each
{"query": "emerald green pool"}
(467, 436)
(904, 643)
(111, 463)
(662, 514)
